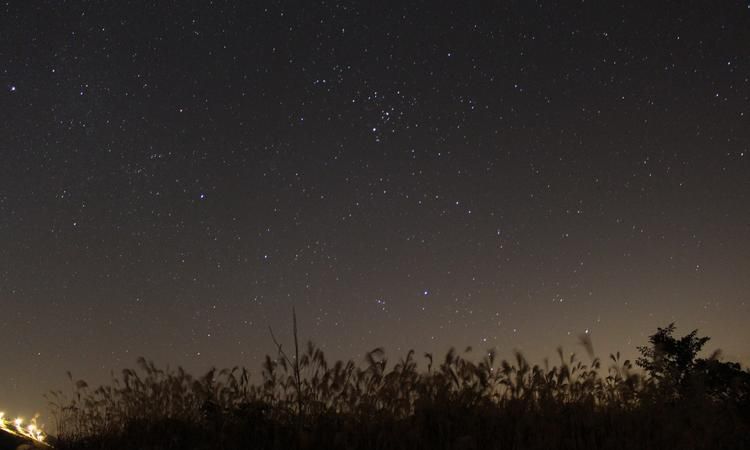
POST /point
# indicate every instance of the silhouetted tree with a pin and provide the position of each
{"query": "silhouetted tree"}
(669, 360)
(673, 364)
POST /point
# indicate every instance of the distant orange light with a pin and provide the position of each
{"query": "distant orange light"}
(15, 427)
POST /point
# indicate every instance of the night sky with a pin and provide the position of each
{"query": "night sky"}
(175, 177)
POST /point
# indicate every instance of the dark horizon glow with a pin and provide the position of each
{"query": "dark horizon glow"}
(174, 180)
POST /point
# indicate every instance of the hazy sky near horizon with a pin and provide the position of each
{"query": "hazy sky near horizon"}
(175, 178)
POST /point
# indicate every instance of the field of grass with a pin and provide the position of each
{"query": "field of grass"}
(459, 401)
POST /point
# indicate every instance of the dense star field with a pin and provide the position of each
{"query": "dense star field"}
(175, 178)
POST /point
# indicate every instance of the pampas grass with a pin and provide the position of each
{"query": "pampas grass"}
(458, 403)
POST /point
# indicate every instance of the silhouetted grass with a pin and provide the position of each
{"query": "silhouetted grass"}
(456, 403)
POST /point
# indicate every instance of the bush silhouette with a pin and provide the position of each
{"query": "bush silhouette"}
(670, 361)
(673, 364)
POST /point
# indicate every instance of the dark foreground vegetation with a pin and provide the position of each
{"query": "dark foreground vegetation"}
(679, 401)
